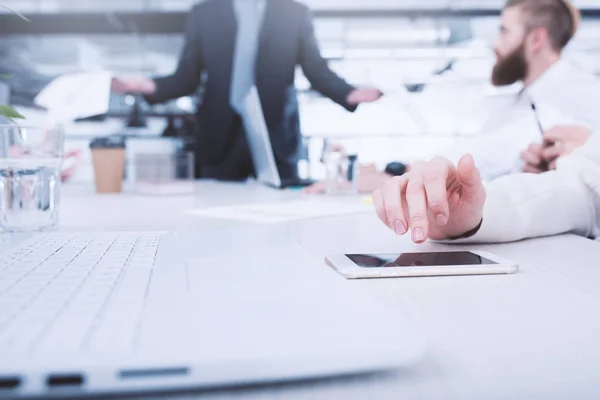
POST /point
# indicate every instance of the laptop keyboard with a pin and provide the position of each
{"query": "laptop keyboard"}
(67, 291)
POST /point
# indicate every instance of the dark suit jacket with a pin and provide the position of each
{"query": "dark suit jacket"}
(287, 40)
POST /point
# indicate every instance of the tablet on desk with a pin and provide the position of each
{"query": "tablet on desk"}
(356, 266)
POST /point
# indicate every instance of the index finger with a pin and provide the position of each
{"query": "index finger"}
(434, 180)
(393, 191)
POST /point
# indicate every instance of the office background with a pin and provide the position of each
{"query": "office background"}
(432, 58)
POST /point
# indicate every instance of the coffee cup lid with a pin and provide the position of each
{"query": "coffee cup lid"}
(108, 142)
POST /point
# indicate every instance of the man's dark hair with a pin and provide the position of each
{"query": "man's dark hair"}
(559, 17)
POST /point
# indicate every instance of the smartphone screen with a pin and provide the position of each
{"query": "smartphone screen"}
(418, 259)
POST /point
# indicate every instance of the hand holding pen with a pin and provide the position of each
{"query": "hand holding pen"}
(556, 142)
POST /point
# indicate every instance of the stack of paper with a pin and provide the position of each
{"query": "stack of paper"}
(74, 96)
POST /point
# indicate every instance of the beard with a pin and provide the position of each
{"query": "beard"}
(511, 68)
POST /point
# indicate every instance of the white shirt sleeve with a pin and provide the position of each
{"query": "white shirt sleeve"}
(523, 206)
(526, 205)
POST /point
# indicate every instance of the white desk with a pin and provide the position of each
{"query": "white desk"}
(532, 335)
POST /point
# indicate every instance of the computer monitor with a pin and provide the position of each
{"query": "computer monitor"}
(259, 141)
(261, 149)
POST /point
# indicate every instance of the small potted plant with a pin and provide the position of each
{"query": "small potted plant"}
(5, 110)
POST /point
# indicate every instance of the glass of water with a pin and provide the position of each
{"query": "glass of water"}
(164, 174)
(341, 167)
(30, 165)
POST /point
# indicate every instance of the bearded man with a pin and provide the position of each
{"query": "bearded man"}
(556, 109)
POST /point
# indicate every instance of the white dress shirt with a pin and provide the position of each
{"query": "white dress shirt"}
(563, 95)
(567, 200)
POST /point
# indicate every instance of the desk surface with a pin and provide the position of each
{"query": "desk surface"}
(535, 334)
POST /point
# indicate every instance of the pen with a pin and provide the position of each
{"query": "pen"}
(537, 119)
(543, 164)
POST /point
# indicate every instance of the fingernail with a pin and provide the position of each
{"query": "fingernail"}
(441, 219)
(418, 235)
(399, 227)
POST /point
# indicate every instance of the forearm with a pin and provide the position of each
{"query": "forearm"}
(170, 87)
(186, 79)
(316, 69)
(331, 86)
(526, 205)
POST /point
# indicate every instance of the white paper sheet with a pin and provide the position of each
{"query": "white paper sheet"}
(274, 213)
(74, 96)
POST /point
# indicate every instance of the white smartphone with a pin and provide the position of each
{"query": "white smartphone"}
(357, 266)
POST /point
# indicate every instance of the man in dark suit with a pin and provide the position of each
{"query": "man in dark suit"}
(239, 44)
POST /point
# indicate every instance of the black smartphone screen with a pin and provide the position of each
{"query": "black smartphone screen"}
(418, 259)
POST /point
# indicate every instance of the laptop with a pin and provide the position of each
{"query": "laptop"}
(261, 150)
(150, 312)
